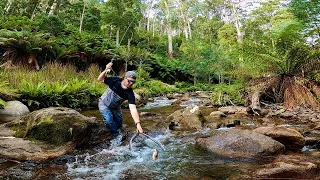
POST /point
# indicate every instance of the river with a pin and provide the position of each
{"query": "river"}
(182, 159)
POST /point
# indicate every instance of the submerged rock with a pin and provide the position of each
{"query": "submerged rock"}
(241, 144)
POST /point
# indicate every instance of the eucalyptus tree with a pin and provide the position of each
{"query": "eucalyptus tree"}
(165, 6)
(123, 15)
(193, 53)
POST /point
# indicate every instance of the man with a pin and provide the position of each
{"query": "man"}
(119, 90)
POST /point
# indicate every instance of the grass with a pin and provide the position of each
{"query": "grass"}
(61, 85)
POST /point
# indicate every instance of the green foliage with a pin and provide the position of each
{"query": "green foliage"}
(287, 54)
(227, 35)
(122, 15)
(151, 88)
(56, 85)
(51, 24)
(229, 94)
(73, 93)
(3, 84)
(2, 103)
(19, 23)
(81, 49)
(26, 48)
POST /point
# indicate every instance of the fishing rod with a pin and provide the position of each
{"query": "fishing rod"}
(136, 134)
(112, 59)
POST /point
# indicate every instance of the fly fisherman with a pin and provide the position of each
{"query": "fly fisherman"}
(119, 90)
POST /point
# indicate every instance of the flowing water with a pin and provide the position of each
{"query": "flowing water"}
(182, 159)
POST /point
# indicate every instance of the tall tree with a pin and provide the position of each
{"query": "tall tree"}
(123, 15)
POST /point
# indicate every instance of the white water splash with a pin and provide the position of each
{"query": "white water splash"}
(113, 162)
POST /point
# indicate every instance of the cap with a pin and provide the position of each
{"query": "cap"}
(131, 74)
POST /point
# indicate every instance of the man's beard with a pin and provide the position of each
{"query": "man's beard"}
(123, 86)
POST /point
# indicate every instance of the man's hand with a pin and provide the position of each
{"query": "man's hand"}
(109, 66)
(139, 128)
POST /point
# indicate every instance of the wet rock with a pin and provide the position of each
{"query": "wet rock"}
(241, 144)
(289, 166)
(149, 115)
(189, 118)
(217, 114)
(16, 172)
(60, 125)
(291, 138)
(233, 110)
(313, 142)
(14, 108)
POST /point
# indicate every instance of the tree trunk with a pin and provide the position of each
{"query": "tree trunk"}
(153, 24)
(32, 59)
(82, 16)
(53, 7)
(195, 76)
(189, 28)
(118, 37)
(8, 6)
(34, 10)
(255, 102)
(169, 31)
(237, 24)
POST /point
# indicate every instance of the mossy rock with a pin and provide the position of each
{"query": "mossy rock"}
(57, 126)
(9, 96)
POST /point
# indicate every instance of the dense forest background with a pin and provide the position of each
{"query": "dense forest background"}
(181, 42)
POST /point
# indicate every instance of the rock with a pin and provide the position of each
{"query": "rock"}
(189, 118)
(291, 138)
(289, 166)
(60, 125)
(264, 112)
(14, 108)
(217, 114)
(147, 114)
(233, 109)
(22, 149)
(241, 144)
(8, 96)
(317, 127)
(286, 114)
(150, 116)
(185, 97)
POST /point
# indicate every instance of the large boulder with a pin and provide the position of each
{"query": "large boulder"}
(189, 118)
(291, 138)
(289, 166)
(57, 126)
(23, 149)
(241, 144)
(14, 108)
